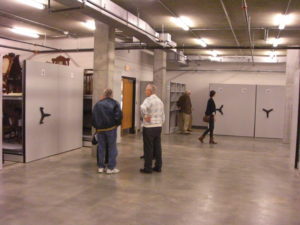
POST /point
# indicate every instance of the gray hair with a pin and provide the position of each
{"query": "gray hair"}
(152, 87)
(107, 93)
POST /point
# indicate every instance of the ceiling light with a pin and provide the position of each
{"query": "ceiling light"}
(273, 54)
(90, 24)
(201, 42)
(26, 32)
(214, 53)
(283, 20)
(186, 21)
(33, 3)
(215, 58)
(179, 23)
(276, 41)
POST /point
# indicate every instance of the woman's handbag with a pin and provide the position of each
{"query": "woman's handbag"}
(94, 139)
(206, 118)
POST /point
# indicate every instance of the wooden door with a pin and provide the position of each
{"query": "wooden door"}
(127, 103)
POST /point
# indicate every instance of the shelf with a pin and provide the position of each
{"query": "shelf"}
(12, 148)
(87, 137)
(88, 96)
(16, 97)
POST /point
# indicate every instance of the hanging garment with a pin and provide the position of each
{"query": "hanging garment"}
(15, 76)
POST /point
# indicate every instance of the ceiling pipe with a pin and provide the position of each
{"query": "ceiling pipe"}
(22, 19)
(229, 22)
(15, 48)
(245, 8)
(28, 43)
(243, 28)
(169, 48)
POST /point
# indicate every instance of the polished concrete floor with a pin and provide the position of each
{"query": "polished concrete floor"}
(240, 181)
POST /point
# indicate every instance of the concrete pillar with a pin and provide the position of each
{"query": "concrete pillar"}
(104, 59)
(160, 81)
(292, 65)
(104, 62)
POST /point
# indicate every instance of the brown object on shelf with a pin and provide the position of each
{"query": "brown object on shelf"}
(61, 60)
(12, 74)
(88, 81)
(6, 67)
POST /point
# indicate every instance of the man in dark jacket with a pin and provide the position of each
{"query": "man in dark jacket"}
(185, 105)
(107, 116)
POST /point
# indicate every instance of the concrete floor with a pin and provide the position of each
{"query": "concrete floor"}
(240, 181)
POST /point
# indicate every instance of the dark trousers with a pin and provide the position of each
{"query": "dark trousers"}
(211, 127)
(152, 147)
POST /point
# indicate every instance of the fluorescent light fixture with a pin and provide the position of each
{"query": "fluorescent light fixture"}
(273, 54)
(201, 42)
(33, 4)
(179, 23)
(214, 53)
(25, 31)
(215, 58)
(276, 42)
(283, 20)
(186, 21)
(90, 24)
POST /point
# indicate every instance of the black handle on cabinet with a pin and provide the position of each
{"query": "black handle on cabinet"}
(220, 109)
(43, 115)
(267, 112)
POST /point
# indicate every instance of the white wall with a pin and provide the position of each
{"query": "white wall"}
(198, 79)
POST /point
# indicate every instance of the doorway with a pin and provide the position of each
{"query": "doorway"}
(128, 105)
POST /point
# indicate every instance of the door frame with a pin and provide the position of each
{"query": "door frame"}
(132, 130)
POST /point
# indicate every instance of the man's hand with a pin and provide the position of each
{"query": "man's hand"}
(147, 119)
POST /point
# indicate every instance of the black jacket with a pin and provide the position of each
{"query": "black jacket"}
(185, 104)
(106, 114)
(211, 107)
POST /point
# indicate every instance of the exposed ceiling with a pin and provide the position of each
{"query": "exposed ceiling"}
(208, 17)
(210, 22)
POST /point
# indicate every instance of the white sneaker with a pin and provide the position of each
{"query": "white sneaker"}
(101, 170)
(115, 170)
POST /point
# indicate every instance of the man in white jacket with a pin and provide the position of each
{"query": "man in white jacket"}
(153, 115)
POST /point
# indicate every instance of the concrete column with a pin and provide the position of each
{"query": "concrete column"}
(104, 59)
(292, 65)
(160, 81)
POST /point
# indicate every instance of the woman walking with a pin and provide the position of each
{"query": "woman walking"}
(210, 112)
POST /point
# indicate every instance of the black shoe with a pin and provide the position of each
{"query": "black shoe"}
(145, 171)
(156, 169)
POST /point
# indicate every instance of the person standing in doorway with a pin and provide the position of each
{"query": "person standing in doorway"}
(210, 112)
(107, 116)
(185, 105)
(153, 115)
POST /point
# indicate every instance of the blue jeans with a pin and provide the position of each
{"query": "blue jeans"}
(107, 139)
